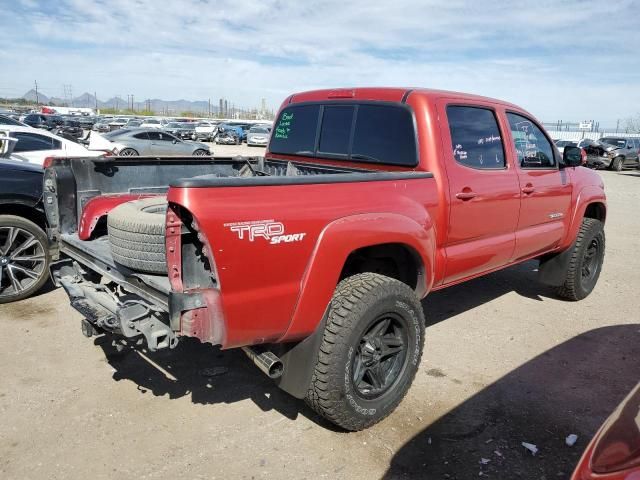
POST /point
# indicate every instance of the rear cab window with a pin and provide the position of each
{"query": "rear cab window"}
(374, 132)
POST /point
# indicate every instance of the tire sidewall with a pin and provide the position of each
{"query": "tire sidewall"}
(370, 410)
(590, 234)
(617, 164)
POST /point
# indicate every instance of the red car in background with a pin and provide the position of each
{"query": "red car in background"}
(614, 452)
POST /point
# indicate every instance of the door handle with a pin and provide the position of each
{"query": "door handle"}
(528, 188)
(466, 195)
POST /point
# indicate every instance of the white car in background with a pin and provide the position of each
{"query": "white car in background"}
(206, 130)
(154, 123)
(34, 145)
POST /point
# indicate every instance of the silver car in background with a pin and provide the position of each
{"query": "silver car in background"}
(259, 135)
(127, 142)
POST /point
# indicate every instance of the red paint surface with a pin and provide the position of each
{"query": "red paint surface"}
(614, 451)
(97, 208)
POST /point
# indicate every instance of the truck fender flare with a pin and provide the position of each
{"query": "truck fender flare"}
(335, 243)
(553, 268)
(586, 196)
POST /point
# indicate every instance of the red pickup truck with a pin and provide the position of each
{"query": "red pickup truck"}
(314, 258)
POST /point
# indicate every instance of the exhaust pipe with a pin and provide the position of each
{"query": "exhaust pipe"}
(265, 361)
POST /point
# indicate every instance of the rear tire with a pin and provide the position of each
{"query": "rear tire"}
(586, 261)
(128, 152)
(200, 153)
(370, 351)
(136, 234)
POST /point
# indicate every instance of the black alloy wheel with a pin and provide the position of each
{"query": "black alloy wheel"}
(380, 357)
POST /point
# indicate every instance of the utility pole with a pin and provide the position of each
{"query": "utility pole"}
(37, 97)
(617, 125)
(95, 97)
(209, 116)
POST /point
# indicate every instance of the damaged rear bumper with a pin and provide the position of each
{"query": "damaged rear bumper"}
(125, 309)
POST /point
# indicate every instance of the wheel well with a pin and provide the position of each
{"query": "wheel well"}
(393, 260)
(596, 210)
(24, 211)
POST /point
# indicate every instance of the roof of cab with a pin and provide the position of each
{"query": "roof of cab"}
(388, 94)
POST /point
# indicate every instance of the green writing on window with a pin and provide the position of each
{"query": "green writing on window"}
(284, 125)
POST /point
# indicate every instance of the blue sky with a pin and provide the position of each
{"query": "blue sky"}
(570, 60)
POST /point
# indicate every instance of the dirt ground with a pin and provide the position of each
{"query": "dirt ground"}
(505, 362)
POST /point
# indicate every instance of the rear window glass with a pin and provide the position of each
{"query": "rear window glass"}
(381, 133)
(336, 130)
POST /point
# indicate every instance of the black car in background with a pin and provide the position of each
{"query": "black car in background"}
(182, 130)
(69, 129)
(24, 248)
(40, 120)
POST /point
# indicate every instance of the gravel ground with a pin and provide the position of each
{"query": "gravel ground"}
(505, 362)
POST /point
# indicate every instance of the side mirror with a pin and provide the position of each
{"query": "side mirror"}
(572, 157)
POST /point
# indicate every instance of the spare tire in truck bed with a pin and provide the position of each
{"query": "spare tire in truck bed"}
(136, 234)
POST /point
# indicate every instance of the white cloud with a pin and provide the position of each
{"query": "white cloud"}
(560, 60)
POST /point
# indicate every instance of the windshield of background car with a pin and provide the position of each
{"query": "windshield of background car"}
(152, 121)
(618, 142)
(369, 132)
(258, 130)
(565, 143)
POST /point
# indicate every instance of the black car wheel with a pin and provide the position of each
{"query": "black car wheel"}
(371, 349)
(200, 153)
(24, 258)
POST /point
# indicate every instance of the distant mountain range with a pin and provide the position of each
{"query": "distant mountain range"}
(87, 100)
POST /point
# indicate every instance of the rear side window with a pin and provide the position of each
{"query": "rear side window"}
(32, 142)
(385, 134)
(475, 137)
(532, 147)
(369, 132)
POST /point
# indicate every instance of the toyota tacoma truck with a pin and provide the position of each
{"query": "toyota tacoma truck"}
(314, 258)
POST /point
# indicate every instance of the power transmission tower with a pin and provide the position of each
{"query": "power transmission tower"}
(68, 95)
(37, 97)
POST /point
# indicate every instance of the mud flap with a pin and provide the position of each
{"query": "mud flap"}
(299, 361)
(553, 269)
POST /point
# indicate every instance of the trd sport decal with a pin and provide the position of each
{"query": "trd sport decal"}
(269, 230)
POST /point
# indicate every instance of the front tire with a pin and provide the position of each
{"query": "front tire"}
(370, 351)
(200, 153)
(24, 258)
(616, 165)
(586, 261)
